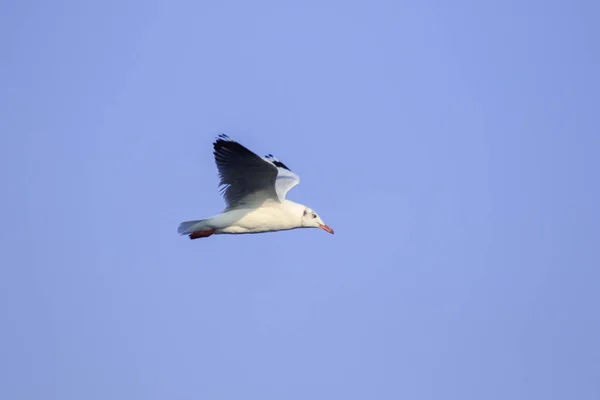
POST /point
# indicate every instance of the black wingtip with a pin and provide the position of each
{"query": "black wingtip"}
(279, 164)
(221, 139)
(276, 162)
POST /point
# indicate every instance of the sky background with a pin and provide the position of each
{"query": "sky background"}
(453, 146)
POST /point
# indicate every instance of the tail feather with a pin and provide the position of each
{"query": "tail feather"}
(187, 227)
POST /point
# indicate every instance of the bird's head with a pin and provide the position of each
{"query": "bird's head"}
(311, 219)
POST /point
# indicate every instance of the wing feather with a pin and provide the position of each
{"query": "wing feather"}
(244, 176)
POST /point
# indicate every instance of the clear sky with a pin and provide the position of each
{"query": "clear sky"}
(453, 147)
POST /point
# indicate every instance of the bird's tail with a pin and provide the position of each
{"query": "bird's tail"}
(193, 227)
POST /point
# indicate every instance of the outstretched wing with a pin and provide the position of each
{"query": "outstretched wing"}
(246, 178)
(286, 179)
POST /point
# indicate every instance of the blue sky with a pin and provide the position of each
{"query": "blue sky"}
(453, 147)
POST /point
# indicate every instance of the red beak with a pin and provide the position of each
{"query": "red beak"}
(326, 228)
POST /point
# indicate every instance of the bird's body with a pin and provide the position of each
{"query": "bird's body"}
(269, 216)
(254, 189)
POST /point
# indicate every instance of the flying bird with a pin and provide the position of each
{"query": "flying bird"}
(254, 189)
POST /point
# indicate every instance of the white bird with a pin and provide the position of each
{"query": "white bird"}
(254, 189)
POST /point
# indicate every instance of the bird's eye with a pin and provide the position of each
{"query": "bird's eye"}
(314, 215)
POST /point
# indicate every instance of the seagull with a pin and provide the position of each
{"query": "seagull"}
(254, 189)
